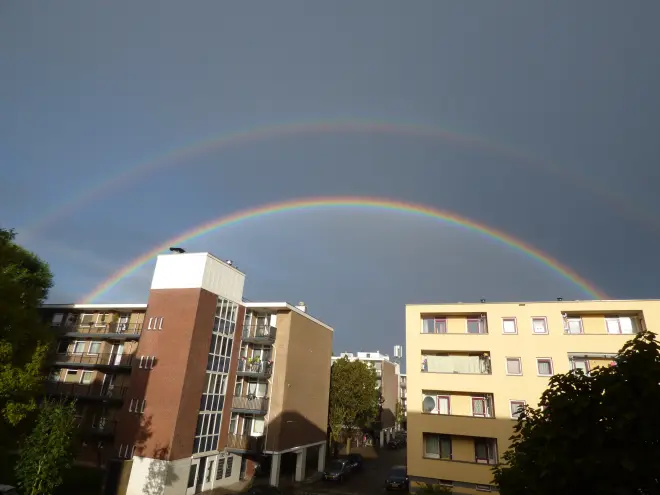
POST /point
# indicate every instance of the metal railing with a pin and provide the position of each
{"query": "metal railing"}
(259, 368)
(101, 426)
(91, 390)
(250, 403)
(101, 328)
(259, 333)
(101, 359)
(245, 443)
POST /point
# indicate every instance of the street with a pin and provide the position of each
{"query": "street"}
(371, 480)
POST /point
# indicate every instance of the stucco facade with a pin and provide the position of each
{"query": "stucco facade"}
(470, 366)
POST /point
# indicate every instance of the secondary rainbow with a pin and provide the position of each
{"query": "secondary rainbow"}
(348, 202)
(178, 156)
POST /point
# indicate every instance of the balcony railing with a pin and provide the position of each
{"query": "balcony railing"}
(96, 391)
(100, 427)
(245, 443)
(84, 360)
(259, 334)
(261, 369)
(250, 403)
(472, 365)
(103, 330)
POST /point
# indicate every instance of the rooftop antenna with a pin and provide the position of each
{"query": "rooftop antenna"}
(177, 250)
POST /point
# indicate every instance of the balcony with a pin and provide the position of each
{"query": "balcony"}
(245, 443)
(259, 369)
(477, 364)
(250, 404)
(259, 334)
(102, 360)
(114, 331)
(101, 428)
(92, 391)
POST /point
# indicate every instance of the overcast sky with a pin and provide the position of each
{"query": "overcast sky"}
(554, 110)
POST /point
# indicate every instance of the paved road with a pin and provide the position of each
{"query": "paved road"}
(369, 481)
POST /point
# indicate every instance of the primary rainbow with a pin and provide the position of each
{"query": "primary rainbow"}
(347, 202)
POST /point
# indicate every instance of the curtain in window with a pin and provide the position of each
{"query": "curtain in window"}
(443, 405)
(432, 445)
(428, 325)
(453, 364)
(544, 368)
(513, 366)
(478, 407)
(627, 325)
(509, 326)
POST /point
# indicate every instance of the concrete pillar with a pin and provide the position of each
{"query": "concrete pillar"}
(301, 464)
(382, 438)
(275, 469)
(321, 466)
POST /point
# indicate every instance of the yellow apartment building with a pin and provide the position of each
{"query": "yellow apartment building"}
(471, 367)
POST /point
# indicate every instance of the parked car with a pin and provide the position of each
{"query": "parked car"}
(397, 479)
(8, 490)
(355, 461)
(395, 443)
(337, 470)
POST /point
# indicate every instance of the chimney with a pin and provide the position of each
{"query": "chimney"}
(302, 307)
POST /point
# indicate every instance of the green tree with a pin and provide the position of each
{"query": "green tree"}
(592, 434)
(24, 341)
(353, 397)
(47, 452)
(400, 413)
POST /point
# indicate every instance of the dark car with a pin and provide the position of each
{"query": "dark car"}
(264, 490)
(355, 461)
(395, 443)
(337, 470)
(397, 479)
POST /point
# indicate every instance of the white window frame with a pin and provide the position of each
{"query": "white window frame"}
(151, 319)
(545, 325)
(98, 323)
(511, 401)
(506, 365)
(515, 325)
(633, 320)
(82, 376)
(131, 406)
(480, 321)
(567, 328)
(142, 405)
(552, 366)
(160, 323)
(89, 348)
(482, 488)
(585, 360)
(82, 318)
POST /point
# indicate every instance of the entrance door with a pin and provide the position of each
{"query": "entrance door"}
(191, 488)
(108, 385)
(115, 355)
(122, 323)
(201, 471)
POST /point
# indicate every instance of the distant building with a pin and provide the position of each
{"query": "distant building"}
(403, 397)
(196, 384)
(472, 366)
(388, 382)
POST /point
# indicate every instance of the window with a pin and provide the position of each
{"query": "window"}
(86, 319)
(103, 318)
(209, 471)
(132, 405)
(621, 324)
(228, 466)
(221, 469)
(233, 423)
(86, 377)
(573, 325)
(147, 362)
(57, 319)
(509, 325)
(55, 376)
(539, 325)
(544, 366)
(443, 404)
(258, 426)
(516, 408)
(434, 325)
(484, 451)
(483, 488)
(79, 347)
(155, 323)
(144, 402)
(62, 346)
(479, 407)
(437, 446)
(94, 348)
(71, 373)
(513, 366)
(475, 325)
(580, 364)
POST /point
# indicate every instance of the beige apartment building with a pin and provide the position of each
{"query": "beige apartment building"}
(387, 372)
(472, 366)
(192, 390)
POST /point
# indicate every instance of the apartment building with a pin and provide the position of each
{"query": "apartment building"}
(472, 366)
(387, 372)
(403, 398)
(192, 390)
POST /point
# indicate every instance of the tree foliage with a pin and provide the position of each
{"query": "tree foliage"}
(354, 396)
(592, 434)
(48, 452)
(400, 413)
(24, 343)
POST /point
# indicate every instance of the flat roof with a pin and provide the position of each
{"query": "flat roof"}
(563, 301)
(96, 306)
(285, 305)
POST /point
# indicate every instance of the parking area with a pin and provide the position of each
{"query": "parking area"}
(370, 480)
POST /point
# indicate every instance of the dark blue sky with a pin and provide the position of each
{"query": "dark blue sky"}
(93, 89)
